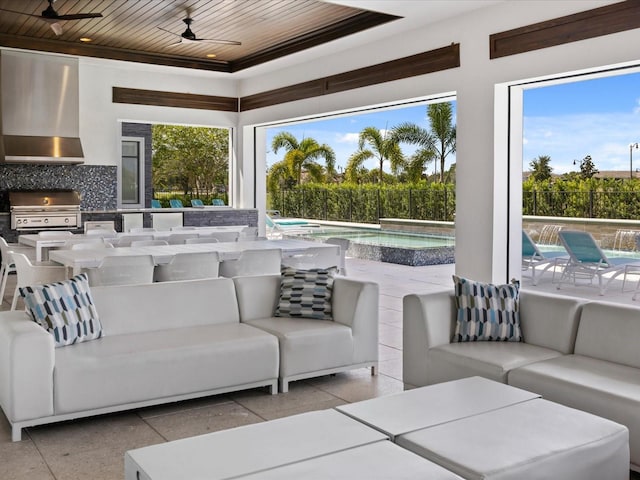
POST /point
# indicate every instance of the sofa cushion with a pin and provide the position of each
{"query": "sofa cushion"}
(121, 369)
(306, 293)
(166, 305)
(487, 311)
(308, 345)
(549, 320)
(65, 309)
(609, 332)
(603, 388)
(487, 359)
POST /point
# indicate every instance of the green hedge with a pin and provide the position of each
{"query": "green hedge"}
(366, 203)
(564, 197)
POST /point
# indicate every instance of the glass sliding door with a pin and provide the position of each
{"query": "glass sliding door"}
(131, 180)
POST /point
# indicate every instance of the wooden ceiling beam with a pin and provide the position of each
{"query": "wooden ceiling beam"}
(96, 51)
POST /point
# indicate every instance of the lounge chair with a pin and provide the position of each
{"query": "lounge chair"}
(533, 258)
(587, 260)
(175, 203)
(276, 228)
(196, 202)
(155, 203)
(217, 202)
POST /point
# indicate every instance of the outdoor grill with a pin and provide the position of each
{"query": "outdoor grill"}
(44, 209)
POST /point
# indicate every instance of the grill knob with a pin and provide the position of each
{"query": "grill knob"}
(46, 220)
(66, 220)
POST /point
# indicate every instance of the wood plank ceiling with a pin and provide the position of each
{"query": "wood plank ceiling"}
(129, 29)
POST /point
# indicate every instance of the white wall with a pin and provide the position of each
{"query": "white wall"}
(99, 116)
(481, 223)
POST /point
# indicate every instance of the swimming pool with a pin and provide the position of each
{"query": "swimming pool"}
(390, 246)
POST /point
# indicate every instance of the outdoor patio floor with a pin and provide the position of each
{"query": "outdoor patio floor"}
(94, 448)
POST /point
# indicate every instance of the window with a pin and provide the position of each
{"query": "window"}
(131, 168)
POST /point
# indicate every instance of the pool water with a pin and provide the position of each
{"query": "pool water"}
(390, 246)
(385, 238)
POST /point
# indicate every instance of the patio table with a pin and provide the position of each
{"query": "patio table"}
(44, 244)
(79, 259)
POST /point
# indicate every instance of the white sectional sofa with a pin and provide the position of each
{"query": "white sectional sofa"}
(310, 347)
(549, 325)
(171, 341)
(578, 353)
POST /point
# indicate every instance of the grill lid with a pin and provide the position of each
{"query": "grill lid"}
(44, 198)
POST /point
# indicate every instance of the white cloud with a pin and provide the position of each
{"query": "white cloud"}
(604, 136)
(347, 138)
(636, 110)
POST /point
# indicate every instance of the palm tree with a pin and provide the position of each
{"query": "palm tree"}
(300, 156)
(441, 119)
(540, 168)
(382, 147)
(408, 132)
(436, 143)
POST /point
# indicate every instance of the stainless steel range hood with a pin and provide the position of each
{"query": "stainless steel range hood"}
(40, 109)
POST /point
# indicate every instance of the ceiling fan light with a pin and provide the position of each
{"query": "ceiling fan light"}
(86, 39)
(56, 27)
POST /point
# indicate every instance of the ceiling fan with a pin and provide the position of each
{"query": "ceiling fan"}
(188, 36)
(52, 17)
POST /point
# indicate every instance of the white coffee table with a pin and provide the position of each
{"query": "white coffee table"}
(250, 449)
(375, 461)
(532, 440)
(425, 407)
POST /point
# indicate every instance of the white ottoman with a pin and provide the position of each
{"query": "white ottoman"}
(376, 461)
(435, 404)
(249, 449)
(533, 440)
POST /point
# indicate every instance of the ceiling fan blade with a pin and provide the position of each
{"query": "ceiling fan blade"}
(179, 42)
(79, 16)
(169, 31)
(222, 42)
(20, 13)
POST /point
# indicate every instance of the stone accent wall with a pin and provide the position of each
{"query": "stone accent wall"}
(97, 184)
(211, 217)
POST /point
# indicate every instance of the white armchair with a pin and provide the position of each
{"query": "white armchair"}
(253, 262)
(125, 270)
(188, 266)
(30, 274)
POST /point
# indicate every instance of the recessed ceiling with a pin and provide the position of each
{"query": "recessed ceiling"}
(140, 30)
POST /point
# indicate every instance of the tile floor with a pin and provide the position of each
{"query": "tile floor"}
(94, 448)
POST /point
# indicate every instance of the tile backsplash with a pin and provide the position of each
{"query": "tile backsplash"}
(97, 184)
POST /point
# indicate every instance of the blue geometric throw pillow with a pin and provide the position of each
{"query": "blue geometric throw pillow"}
(487, 312)
(306, 293)
(64, 309)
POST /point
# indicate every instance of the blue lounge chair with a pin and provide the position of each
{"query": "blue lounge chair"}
(196, 202)
(176, 203)
(587, 260)
(218, 202)
(532, 258)
(156, 203)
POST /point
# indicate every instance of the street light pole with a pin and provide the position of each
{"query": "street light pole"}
(631, 147)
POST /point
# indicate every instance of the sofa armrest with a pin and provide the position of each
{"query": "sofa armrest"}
(26, 368)
(428, 321)
(355, 304)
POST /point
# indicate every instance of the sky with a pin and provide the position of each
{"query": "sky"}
(567, 122)
(599, 117)
(341, 133)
